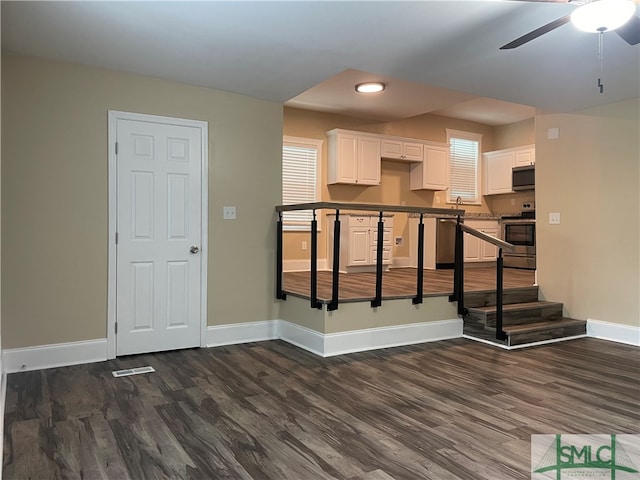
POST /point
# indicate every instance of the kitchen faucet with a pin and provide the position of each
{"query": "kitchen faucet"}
(458, 202)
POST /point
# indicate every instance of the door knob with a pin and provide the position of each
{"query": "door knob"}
(194, 249)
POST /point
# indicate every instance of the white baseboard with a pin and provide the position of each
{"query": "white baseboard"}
(325, 345)
(302, 337)
(303, 265)
(614, 332)
(55, 355)
(234, 333)
(386, 337)
(401, 262)
(328, 345)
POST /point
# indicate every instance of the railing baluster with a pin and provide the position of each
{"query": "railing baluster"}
(280, 295)
(458, 272)
(314, 263)
(420, 275)
(500, 335)
(335, 277)
(377, 301)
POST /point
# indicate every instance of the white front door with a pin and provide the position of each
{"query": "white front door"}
(159, 235)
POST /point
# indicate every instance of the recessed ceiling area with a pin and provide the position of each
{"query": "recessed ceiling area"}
(435, 56)
(402, 99)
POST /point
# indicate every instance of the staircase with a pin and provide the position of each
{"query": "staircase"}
(525, 319)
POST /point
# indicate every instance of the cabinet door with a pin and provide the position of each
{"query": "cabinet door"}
(472, 250)
(498, 169)
(433, 172)
(359, 246)
(391, 149)
(412, 151)
(436, 167)
(525, 157)
(489, 251)
(368, 160)
(343, 159)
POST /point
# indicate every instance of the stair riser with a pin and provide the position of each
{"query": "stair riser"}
(519, 317)
(487, 299)
(549, 334)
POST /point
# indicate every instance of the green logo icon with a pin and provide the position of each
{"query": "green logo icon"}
(585, 456)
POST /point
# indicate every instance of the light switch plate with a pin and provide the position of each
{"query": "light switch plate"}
(554, 218)
(229, 213)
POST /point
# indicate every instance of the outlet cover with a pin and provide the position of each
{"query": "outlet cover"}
(554, 218)
(229, 213)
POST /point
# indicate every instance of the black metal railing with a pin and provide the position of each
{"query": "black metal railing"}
(456, 216)
(458, 273)
(335, 277)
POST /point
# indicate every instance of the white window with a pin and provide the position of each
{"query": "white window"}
(464, 166)
(300, 179)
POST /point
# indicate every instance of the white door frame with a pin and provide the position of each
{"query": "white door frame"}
(114, 116)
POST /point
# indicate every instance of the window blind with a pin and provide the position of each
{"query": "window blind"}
(299, 182)
(463, 169)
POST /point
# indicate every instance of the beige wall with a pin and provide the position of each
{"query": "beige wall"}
(515, 134)
(590, 175)
(54, 196)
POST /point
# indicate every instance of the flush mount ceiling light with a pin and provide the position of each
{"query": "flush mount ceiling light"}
(370, 87)
(603, 15)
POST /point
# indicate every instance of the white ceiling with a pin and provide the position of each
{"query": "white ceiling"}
(436, 56)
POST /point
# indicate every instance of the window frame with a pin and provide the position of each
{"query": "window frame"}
(303, 142)
(472, 136)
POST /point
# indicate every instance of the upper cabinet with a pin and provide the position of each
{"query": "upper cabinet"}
(497, 172)
(498, 168)
(525, 156)
(354, 158)
(432, 173)
(398, 149)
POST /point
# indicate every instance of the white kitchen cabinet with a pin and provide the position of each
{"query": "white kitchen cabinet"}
(398, 149)
(498, 168)
(358, 242)
(433, 172)
(477, 250)
(354, 158)
(429, 246)
(525, 156)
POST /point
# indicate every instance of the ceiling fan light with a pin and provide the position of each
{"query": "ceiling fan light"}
(603, 15)
(370, 87)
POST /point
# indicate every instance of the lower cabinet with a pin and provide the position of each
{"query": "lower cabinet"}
(476, 250)
(359, 240)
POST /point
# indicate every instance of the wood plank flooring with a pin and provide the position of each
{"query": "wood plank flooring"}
(401, 282)
(447, 410)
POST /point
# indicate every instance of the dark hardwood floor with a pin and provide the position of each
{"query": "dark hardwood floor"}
(401, 282)
(454, 409)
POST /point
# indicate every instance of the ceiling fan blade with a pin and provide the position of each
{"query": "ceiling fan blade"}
(630, 31)
(538, 32)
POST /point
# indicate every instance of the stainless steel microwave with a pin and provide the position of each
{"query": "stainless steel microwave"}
(524, 178)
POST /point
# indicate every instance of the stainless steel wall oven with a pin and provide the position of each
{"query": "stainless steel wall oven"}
(520, 232)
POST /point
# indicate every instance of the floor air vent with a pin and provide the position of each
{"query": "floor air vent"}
(132, 371)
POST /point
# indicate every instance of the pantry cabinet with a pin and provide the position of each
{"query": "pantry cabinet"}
(359, 240)
(354, 158)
